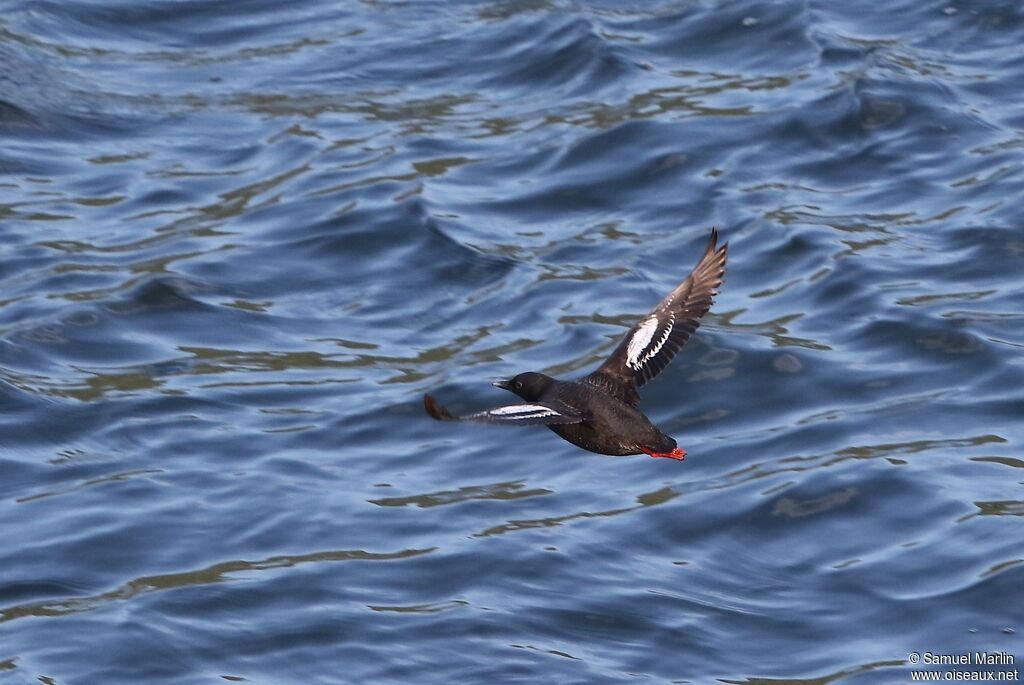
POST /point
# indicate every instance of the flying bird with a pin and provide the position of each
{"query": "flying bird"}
(599, 412)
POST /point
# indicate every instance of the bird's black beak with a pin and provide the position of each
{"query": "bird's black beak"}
(503, 384)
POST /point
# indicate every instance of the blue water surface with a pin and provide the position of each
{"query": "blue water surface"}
(240, 240)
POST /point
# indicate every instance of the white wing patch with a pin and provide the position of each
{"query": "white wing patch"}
(640, 340)
(642, 346)
(524, 411)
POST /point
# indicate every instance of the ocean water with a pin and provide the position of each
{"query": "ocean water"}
(240, 240)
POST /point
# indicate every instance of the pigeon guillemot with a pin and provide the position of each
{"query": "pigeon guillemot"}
(598, 412)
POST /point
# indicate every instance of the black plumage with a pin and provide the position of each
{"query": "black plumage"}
(598, 412)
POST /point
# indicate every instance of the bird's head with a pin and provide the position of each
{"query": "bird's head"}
(530, 385)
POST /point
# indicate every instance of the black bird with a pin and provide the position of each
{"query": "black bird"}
(598, 412)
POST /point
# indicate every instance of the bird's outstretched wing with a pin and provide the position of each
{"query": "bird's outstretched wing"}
(526, 414)
(652, 343)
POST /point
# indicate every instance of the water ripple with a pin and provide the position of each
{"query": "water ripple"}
(241, 240)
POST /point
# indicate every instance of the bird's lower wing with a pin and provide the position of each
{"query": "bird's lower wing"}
(544, 413)
(651, 344)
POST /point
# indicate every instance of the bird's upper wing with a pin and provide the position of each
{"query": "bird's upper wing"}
(652, 343)
(547, 412)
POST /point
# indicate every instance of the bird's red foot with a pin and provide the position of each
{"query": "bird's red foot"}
(678, 453)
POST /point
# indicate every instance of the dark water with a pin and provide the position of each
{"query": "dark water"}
(241, 239)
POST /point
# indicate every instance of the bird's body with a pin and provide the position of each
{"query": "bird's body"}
(598, 412)
(609, 425)
(633, 432)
